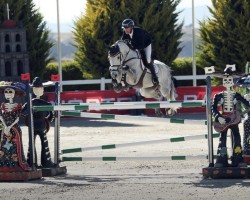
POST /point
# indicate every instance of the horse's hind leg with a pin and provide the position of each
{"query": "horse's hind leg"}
(152, 93)
(170, 111)
(158, 110)
(168, 97)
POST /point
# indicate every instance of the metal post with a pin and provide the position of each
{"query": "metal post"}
(102, 83)
(58, 89)
(31, 125)
(209, 123)
(8, 11)
(193, 46)
(57, 125)
(59, 46)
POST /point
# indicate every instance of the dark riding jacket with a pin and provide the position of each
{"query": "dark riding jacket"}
(140, 39)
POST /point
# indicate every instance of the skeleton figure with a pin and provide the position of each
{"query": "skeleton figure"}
(246, 137)
(228, 101)
(42, 120)
(11, 148)
(244, 82)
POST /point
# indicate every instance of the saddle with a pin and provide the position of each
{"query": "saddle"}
(145, 63)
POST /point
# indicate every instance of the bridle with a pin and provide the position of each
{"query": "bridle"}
(122, 61)
(123, 67)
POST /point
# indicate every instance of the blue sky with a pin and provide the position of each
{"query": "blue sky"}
(69, 10)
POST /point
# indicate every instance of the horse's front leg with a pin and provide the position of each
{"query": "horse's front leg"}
(117, 87)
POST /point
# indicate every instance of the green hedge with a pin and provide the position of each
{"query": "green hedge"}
(71, 71)
(183, 66)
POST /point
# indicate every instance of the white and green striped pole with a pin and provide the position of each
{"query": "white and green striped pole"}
(122, 106)
(129, 117)
(146, 158)
(186, 103)
(115, 146)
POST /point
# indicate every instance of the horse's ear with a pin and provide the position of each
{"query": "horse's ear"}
(106, 46)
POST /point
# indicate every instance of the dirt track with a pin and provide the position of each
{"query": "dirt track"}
(123, 180)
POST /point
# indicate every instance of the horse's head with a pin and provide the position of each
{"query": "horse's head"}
(115, 60)
(118, 53)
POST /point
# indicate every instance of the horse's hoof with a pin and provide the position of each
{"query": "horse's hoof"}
(126, 89)
(170, 112)
(160, 114)
(117, 90)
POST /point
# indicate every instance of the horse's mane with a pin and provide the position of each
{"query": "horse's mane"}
(115, 49)
(124, 42)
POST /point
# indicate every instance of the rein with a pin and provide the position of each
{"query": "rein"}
(122, 63)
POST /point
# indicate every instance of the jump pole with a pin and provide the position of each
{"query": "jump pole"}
(146, 158)
(121, 106)
(115, 146)
(129, 117)
(185, 103)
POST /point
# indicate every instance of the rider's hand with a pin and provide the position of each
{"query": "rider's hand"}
(221, 120)
(126, 40)
(247, 97)
(228, 119)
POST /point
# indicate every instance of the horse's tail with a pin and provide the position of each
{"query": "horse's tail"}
(173, 94)
(174, 81)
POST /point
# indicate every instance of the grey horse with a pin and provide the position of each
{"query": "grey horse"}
(128, 71)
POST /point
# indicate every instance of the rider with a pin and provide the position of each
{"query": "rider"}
(141, 40)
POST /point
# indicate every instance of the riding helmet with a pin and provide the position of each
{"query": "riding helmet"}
(127, 23)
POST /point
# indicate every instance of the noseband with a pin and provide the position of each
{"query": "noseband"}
(114, 50)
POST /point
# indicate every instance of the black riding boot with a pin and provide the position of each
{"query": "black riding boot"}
(154, 76)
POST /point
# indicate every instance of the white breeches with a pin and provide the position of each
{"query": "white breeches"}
(148, 51)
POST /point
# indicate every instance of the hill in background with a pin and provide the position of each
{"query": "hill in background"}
(68, 49)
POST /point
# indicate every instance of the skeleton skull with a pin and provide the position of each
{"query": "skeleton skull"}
(228, 82)
(38, 91)
(9, 94)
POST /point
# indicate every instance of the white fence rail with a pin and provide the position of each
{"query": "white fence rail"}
(104, 81)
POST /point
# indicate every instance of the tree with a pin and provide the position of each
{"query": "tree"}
(225, 37)
(101, 26)
(38, 45)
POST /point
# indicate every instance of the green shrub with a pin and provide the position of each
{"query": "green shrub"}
(183, 67)
(70, 71)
